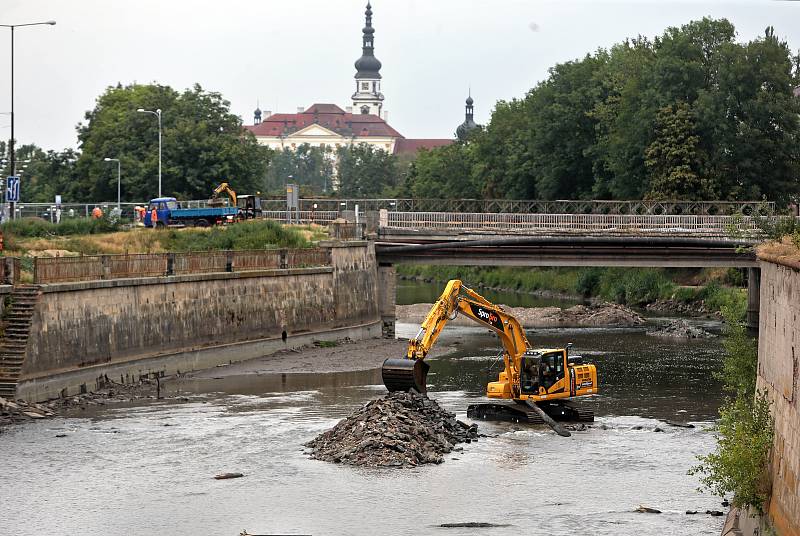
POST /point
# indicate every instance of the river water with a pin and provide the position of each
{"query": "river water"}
(146, 468)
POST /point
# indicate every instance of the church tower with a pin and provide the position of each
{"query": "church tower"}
(368, 98)
(463, 130)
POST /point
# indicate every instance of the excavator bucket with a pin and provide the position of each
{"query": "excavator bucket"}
(404, 374)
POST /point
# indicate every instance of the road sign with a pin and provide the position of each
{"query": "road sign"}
(12, 189)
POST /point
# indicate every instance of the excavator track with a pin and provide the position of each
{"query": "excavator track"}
(561, 411)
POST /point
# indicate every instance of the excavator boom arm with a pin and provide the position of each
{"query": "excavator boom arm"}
(225, 187)
(403, 374)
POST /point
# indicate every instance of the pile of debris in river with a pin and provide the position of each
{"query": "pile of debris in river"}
(681, 329)
(398, 430)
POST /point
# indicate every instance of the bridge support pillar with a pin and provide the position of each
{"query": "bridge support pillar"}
(387, 298)
(753, 300)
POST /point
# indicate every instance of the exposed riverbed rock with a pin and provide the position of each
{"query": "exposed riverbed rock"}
(675, 306)
(681, 329)
(596, 315)
(398, 430)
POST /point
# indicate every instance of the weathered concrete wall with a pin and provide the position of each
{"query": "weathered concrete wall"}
(779, 375)
(387, 298)
(122, 329)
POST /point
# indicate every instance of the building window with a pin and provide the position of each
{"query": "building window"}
(365, 86)
(387, 145)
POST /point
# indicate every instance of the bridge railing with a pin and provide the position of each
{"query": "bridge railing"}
(531, 206)
(320, 217)
(572, 223)
(93, 267)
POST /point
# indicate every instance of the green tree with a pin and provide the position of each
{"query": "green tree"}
(672, 158)
(309, 167)
(203, 144)
(562, 128)
(444, 172)
(364, 171)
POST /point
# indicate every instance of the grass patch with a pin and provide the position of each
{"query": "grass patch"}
(39, 228)
(255, 234)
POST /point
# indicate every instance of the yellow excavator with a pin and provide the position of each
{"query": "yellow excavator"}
(216, 200)
(540, 381)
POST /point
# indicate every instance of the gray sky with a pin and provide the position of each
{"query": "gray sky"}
(290, 53)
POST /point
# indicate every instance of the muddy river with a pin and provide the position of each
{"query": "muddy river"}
(147, 468)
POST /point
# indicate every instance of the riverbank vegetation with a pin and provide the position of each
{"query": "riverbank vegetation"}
(36, 237)
(739, 466)
(638, 287)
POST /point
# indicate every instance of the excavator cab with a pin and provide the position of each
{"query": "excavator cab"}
(552, 368)
(249, 206)
(530, 377)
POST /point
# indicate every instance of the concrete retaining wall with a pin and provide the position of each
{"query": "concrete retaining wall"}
(126, 328)
(779, 375)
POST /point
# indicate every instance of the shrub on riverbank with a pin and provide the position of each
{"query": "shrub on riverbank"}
(256, 234)
(745, 431)
(39, 228)
(563, 280)
(627, 286)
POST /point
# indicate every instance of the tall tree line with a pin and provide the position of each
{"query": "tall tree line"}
(691, 114)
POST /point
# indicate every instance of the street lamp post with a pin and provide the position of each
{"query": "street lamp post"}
(11, 141)
(157, 113)
(119, 183)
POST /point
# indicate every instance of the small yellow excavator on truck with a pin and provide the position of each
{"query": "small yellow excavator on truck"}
(540, 381)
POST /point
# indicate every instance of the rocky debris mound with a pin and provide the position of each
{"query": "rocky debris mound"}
(603, 314)
(19, 411)
(398, 430)
(673, 305)
(681, 329)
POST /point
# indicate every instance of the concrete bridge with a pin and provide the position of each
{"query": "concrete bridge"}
(566, 239)
(495, 239)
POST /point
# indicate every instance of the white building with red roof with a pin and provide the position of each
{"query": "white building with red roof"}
(329, 126)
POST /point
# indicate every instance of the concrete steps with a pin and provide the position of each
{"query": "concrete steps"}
(15, 339)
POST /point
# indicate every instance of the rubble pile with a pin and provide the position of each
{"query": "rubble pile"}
(398, 430)
(681, 329)
(18, 411)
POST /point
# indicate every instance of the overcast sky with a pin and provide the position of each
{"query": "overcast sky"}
(290, 53)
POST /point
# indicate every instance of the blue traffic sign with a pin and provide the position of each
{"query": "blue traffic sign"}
(12, 190)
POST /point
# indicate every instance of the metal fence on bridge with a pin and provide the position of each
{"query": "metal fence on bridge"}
(572, 223)
(509, 206)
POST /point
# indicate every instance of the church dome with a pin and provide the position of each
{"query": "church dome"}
(368, 66)
(463, 130)
(470, 102)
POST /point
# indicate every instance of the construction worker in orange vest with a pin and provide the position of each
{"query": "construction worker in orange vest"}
(154, 216)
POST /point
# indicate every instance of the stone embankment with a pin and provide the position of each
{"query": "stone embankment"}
(681, 329)
(398, 430)
(603, 314)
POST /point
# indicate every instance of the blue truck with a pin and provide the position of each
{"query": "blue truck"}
(166, 211)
